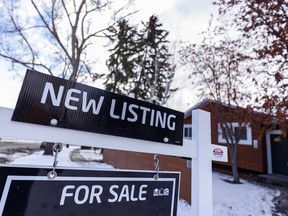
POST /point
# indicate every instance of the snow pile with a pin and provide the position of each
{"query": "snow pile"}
(245, 199)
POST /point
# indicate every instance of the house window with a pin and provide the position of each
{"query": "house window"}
(243, 132)
(187, 131)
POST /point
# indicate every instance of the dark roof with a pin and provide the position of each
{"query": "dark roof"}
(197, 106)
(207, 101)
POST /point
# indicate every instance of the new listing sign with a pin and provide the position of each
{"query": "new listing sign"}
(48, 100)
(28, 191)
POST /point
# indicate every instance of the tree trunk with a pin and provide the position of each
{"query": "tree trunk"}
(234, 166)
(235, 173)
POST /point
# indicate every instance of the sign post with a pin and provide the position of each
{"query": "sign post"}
(197, 149)
(202, 202)
(64, 121)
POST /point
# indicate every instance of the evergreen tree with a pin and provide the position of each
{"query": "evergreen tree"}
(139, 63)
(155, 64)
(122, 61)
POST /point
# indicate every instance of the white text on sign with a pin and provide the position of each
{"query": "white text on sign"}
(128, 112)
(84, 194)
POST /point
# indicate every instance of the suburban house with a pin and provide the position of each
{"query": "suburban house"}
(252, 145)
(258, 151)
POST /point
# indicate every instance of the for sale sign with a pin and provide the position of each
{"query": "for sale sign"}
(28, 191)
(48, 100)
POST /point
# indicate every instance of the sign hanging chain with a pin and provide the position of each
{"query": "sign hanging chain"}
(56, 148)
(156, 166)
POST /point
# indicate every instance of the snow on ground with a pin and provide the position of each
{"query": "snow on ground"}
(246, 199)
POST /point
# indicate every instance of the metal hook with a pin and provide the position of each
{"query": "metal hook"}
(56, 148)
(156, 166)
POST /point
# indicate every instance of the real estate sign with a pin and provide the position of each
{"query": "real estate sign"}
(28, 191)
(52, 101)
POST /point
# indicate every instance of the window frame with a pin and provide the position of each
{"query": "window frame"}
(187, 126)
(247, 141)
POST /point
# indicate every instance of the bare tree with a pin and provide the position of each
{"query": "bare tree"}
(217, 70)
(265, 23)
(58, 37)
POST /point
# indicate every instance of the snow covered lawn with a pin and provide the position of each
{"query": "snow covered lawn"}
(245, 199)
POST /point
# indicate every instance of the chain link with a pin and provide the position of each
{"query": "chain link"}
(156, 166)
(56, 148)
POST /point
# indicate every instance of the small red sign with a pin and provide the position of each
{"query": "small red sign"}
(218, 152)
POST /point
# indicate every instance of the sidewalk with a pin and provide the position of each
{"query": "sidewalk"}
(86, 155)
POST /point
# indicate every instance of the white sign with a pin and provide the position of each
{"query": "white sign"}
(219, 153)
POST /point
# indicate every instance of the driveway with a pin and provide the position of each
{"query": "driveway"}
(12, 149)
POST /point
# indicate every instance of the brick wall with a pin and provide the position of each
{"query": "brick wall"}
(144, 161)
(248, 158)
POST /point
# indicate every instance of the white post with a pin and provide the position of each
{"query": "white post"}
(202, 201)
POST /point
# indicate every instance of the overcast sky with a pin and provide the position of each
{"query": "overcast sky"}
(184, 19)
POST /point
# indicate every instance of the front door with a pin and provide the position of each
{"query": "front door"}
(279, 156)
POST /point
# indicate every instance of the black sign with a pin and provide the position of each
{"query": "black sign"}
(28, 191)
(48, 100)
